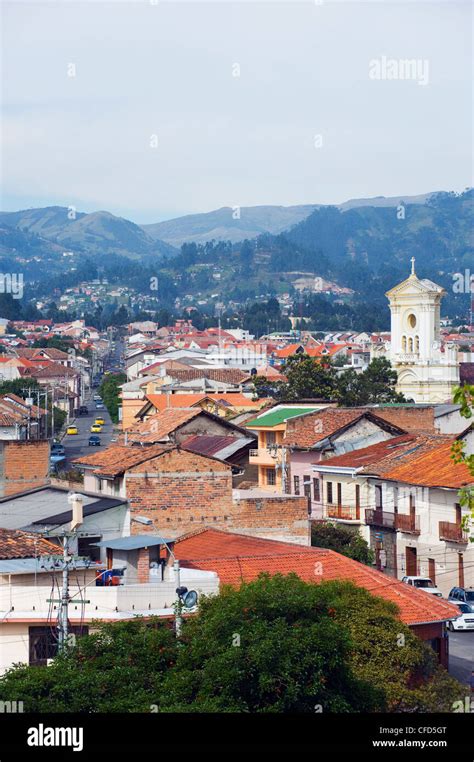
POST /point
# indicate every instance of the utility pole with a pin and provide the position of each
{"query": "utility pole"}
(76, 501)
(63, 610)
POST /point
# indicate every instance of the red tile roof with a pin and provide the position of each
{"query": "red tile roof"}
(17, 544)
(433, 469)
(158, 427)
(380, 457)
(117, 459)
(308, 429)
(237, 558)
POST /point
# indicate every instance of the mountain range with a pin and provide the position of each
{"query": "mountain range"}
(102, 232)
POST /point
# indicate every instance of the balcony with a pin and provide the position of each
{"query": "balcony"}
(377, 517)
(342, 512)
(451, 532)
(404, 522)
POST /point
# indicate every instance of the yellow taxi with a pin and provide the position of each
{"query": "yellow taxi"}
(96, 429)
(72, 430)
(99, 422)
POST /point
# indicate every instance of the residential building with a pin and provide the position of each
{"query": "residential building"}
(271, 455)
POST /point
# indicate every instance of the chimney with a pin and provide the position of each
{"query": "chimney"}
(76, 500)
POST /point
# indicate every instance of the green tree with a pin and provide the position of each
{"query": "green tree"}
(271, 646)
(109, 390)
(325, 534)
(306, 378)
(464, 396)
(376, 384)
(276, 644)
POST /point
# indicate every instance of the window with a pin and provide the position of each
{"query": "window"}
(270, 438)
(339, 493)
(329, 492)
(296, 483)
(271, 476)
(404, 343)
(316, 491)
(307, 486)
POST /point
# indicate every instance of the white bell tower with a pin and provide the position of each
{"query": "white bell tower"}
(426, 371)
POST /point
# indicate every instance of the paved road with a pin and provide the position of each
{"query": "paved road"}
(78, 444)
(461, 655)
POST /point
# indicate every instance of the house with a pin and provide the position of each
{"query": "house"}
(420, 497)
(376, 490)
(270, 456)
(312, 437)
(237, 558)
(200, 431)
(31, 570)
(180, 489)
(222, 404)
(46, 509)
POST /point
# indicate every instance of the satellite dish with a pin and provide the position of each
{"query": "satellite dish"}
(190, 599)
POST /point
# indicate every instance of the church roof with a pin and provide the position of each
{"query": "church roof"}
(415, 285)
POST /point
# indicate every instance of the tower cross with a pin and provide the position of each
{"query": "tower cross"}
(412, 260)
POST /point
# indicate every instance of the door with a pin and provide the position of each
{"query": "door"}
(432, 569)
(411, 562)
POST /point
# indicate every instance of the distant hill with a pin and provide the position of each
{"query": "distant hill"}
(97, 233)
(220, 224)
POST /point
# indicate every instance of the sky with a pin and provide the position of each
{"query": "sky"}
(154, 109)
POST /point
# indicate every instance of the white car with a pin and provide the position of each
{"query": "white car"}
(465, 621)
(423, 583)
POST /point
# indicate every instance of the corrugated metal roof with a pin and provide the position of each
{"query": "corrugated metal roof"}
(45, 507)
(34, 565)
(134, 542)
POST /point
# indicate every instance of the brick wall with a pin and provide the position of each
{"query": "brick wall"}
(143, 565)
(410, 418)
(23, 466)
(182, 491)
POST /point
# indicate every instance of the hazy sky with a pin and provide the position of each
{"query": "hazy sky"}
(168, 69)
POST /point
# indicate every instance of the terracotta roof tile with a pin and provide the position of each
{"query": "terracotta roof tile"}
(238, 558)
(117, 459)
(159, 426)
(310, 428)
(17, 544)
(433, 469)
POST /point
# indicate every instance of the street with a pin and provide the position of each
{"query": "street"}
(461, 655)
(78, 444)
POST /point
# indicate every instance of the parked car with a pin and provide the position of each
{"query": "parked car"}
(58, 449)
(423, 583)
(83, 410)
(99, 421)
(72, 430)
(465, 621)
(94, 440)
(462, 595)
(96, 429)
